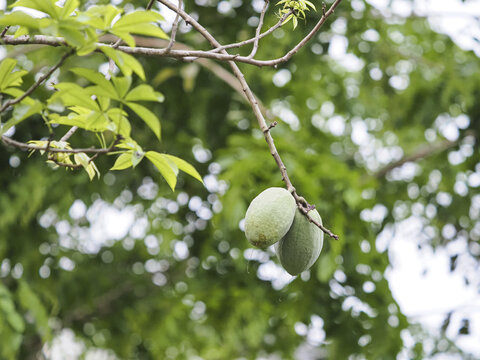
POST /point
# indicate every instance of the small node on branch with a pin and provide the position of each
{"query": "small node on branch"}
(271, 126)
(324, 9)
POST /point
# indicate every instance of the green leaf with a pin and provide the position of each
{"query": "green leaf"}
(137, 156)
(148, 30)
(144, 92)
(126, 37)
(9, 78)
(19, 18)
(122, 84)
(68, 8)
(138, 22)
(185, 167)
(130, 62)
(30, 302)
(167, 168)
(89, 166)
(21, 112)
(97, 78)
(119, 120)
(124, 161)
(146, 115)
(72, 36)
(72, 95)
(125, 62)
(6, 67)
(101, 16)
(137, 18)
(45, 6)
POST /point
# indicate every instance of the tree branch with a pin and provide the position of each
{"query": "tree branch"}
(212, 54)
(21, 145)
(259, 28)
(251, 40)
(174, 28)
(421, 153)
(301, 203)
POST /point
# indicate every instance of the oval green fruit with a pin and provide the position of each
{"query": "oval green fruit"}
(300, 247)
(269, 216)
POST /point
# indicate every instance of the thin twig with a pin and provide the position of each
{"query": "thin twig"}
(69, 133)
(251, 40)
(257, 32)
(421, 153)
(271, 126)
(256, 109)
(150, 4)
(4, 31)
(223, 56)
(32, 88)
(174, 28)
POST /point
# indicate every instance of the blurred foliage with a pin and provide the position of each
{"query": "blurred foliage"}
(177, 280)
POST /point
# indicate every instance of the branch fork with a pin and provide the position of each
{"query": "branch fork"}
(218, 52)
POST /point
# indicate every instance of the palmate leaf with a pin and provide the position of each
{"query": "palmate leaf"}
(122, 84)
(97, 78)
(72, 95)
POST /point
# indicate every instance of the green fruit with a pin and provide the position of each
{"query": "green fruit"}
(300, 247)
(269, 216)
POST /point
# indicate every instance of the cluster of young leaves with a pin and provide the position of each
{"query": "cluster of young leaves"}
(298, 9)
(81, 29)
(100, 107)
(10, 81)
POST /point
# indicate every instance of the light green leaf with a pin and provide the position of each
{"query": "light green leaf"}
(137, 156)
(131, 62)
(122, 84)
(6, 67)
(68, 8)
(119, 120)
(124, 161)
(97, 78)
(89, 166)
(146, 115)
(19, 18)
(101, 16)
(72, 94)
(167, 168)
(72, 36)
(45, 6)
(185, 167)
(137, 18)
(125, 62)
(125, 36)
(21, 112)
(144, 92)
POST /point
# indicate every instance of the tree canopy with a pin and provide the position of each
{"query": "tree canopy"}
(133, 142)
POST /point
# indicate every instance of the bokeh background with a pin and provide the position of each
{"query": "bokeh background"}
(379, 119)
